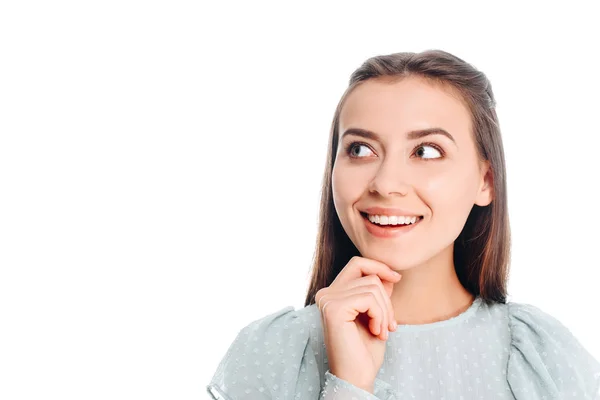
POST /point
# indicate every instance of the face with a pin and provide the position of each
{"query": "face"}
(388, 160)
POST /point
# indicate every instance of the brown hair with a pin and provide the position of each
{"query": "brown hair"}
(482, 250)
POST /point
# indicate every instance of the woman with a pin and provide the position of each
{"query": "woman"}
(408, 290)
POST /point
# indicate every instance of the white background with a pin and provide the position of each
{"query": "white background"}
(160, 168)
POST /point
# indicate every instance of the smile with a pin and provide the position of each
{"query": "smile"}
(380, 226)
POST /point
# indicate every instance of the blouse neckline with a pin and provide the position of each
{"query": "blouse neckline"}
(439, 324)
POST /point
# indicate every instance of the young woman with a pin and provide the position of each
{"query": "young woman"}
(408, 292)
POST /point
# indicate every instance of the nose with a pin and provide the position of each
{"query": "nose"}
(391, 178)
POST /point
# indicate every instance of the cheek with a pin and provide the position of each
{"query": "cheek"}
(347, 185)
(450, 197)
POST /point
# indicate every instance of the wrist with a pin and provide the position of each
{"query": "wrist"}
(369, 388)
(366, 386)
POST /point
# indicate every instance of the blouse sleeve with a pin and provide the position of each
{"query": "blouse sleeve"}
(271, 358)
(338, 389)
(545, 360)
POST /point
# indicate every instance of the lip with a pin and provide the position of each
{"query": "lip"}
(390, 211)
(388, 232)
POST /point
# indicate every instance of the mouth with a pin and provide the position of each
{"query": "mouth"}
(389, 224)
(389, 230)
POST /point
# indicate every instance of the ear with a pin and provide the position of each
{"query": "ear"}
(485, 194)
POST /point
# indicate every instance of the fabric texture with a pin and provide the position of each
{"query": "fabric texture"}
(490, 351)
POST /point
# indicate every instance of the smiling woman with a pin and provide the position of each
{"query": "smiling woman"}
(408, 296)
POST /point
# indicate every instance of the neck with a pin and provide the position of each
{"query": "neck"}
(430, 292)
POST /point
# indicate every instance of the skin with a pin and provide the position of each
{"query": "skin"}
(394, 171)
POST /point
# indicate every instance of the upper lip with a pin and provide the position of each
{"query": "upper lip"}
(390, 211)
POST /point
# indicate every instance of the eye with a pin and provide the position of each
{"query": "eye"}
(428, 151)
(352, 147)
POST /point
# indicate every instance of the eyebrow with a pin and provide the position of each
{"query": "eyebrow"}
(411, 135)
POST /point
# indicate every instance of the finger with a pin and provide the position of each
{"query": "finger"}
(385, 298)
(319, 295)
(388, 287)
(367, 302)
(322, 298)
(379, 325)
(358, 267)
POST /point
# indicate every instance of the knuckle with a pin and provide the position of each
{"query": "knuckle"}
(370, 295)
(355, 262)
(330, 309)
(373, 288)
(319, 297)
(376, 280)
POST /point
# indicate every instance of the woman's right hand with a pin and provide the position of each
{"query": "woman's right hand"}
(356, 313)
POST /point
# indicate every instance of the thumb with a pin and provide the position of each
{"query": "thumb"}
(388, 286)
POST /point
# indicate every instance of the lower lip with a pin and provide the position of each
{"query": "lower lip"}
(389, 232)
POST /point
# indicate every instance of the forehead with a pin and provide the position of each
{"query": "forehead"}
(390, 108)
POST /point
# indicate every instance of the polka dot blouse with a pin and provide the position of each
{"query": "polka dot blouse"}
(490, 351)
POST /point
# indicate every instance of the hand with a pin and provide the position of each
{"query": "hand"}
(356, 313)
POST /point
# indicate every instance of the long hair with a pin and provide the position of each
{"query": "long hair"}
(482, 250)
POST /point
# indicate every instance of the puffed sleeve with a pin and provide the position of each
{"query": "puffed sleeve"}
(546, 361)
(271, 358)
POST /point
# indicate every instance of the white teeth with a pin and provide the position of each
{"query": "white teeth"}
(392, 219)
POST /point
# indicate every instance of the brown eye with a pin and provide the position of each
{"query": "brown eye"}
(354, 149)
(428, 152)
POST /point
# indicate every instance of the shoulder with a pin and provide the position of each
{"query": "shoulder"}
(546, 359)
(271, 356)
(530, 326)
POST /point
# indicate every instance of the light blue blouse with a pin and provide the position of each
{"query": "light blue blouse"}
(497, 351)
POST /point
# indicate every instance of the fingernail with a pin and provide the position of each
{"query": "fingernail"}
(395, 325)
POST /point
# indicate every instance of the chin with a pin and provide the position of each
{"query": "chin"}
(402, 266)
(396, 261)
